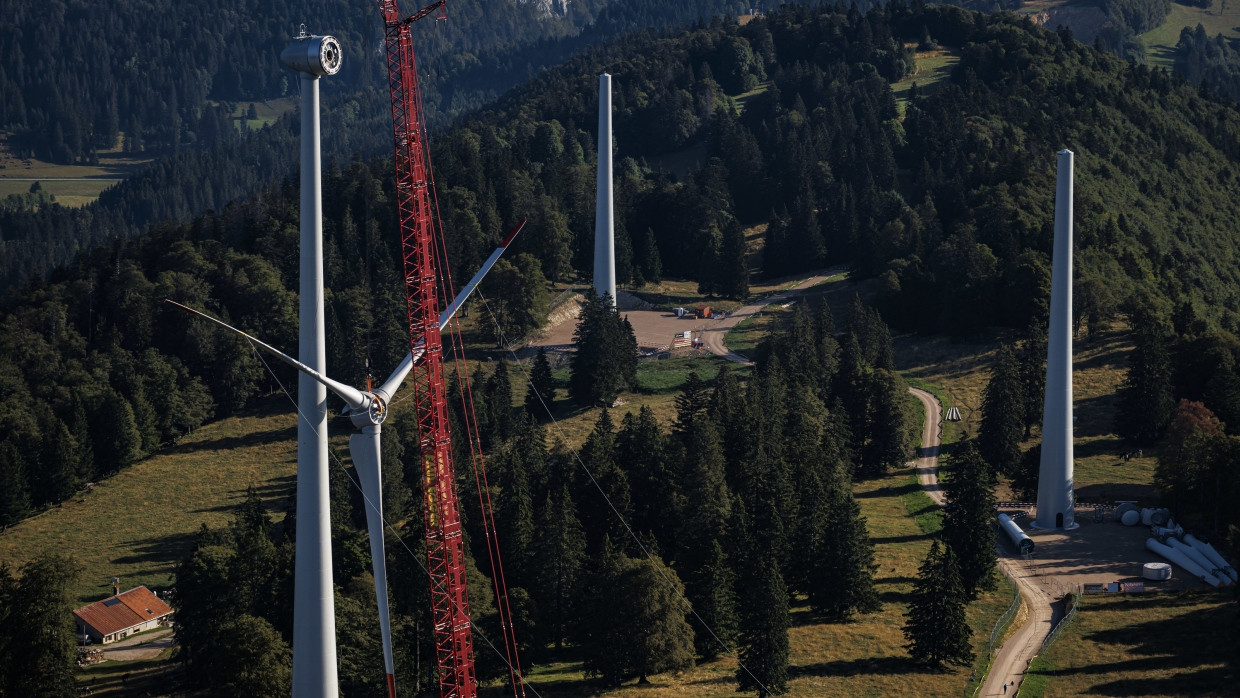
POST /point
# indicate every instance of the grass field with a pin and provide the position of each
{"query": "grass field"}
(267, 111)
(862, 658)
(931, 68)
(137, 524)
(72, 185)
(1220, 18)
(1167, 644)
(659, 382)
(962, 371)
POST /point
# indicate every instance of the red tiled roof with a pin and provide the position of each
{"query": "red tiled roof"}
(122, 611)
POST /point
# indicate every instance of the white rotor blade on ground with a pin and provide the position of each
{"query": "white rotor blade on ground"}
(353, 397)
(393, 382)
(364, 448)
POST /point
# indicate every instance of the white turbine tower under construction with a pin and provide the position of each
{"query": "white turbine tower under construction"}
(1056, 499)
(314, 617)
(604, 211)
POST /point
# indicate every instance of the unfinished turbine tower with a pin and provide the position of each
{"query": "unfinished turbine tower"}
(604, 210)
(314, 618)
(1056, 500)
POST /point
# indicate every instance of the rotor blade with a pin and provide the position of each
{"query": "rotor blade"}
(398, 376)
(468, 288)
(365, 449)
(353, 397)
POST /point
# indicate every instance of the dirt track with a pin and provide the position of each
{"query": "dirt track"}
(1013, 657)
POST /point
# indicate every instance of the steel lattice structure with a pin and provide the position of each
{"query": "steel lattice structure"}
(445, 548)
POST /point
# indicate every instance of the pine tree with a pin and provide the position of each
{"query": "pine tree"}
(498, 396)
(1003, 414)
(733, 272)
(605, 361)
(693, 399)
(14, 492)
(1146, 400)
(540, 398)
(559, 555)
(598, 454)
(968, 527)
(763, 632)
(1031, 358)
(40, 662)
(712, 592)
(842, 573)
(114, 433)
(888, 443)
(641, 449)
(935, 626)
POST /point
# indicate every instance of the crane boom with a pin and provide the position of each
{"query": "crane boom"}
(445, 547)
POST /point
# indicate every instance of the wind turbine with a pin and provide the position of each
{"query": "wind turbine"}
(367, 409)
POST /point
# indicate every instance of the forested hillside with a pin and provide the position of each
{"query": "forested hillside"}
(172, 98)
(950, 208)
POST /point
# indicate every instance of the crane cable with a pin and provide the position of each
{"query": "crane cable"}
(645, 551)
(387, 524)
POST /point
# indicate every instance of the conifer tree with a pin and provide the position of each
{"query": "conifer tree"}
(39, 625)
(632, 619)
(14, 492)
(79, 428)
(967, 519)
(842, 574)
(641, 450)
(605, 361)
(114, 433)
(540, 397)
(1146, 400)
(712, 592)
(763, 631)
(733, 272)
(498, 395)
(514, 509)
(1003, 414)
(599, 456)
(56, 477)
(1031, 357)
(935, 624)
(888, 443)
(559, 555)
(693, 399)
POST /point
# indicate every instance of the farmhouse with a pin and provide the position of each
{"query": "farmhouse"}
(122, 615)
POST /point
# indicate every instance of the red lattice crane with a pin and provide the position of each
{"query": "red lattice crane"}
(426, 275)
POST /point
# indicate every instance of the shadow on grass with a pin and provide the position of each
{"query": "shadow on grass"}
(258, 438)
(889, 491)
(1190, 649)
(907, 538)
(857, 667)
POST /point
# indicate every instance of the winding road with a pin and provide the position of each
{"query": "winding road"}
(715, 330)
(1008, 668)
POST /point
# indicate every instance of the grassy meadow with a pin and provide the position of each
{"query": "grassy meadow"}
(930, 69)
(1167, 644)
(72, 185)
(1219, 18)
(137, 524)
(862, 658)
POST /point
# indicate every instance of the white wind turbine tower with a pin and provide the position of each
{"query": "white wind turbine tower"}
(314, 615)
(367, 409)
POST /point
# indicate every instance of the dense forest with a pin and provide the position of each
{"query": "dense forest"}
(745, 500)
(949, 208)
(173, 98)
(794, 125)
